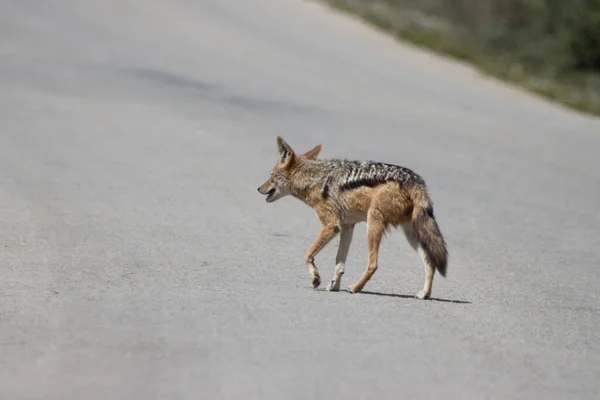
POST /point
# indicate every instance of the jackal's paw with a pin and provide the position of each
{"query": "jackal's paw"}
(354, 288)
(316, 281)
(422, 295)
(333, 286)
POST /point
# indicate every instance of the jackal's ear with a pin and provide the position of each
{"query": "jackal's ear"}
(313, 153)
(285, 151)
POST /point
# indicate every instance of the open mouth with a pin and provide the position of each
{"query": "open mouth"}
(270, 194)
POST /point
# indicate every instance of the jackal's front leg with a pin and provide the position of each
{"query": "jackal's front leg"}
(327, 233)
(340, 259)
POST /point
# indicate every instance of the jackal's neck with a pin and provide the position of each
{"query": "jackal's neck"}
(308, 179)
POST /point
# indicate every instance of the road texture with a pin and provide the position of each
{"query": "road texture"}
(138, 260)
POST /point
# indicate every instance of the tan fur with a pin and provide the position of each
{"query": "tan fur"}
(339, 206)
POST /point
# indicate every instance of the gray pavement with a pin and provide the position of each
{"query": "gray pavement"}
(139, 262)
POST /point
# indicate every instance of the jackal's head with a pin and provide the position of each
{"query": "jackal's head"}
(279, 183)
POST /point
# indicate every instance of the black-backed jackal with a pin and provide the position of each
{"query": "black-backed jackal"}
(344, 193)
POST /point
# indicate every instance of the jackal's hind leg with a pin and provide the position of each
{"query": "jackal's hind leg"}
(414, 242)
(429, 273)
(375, 231)
(327, 233)
(340, 260)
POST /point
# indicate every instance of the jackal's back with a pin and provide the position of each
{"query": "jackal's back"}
(350, 174)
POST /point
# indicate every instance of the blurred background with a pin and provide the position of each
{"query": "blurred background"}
(551, 47)
(138, 261)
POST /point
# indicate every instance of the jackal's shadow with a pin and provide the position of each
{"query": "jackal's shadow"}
(408, 296)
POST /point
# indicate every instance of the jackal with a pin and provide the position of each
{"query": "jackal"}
(346, 192)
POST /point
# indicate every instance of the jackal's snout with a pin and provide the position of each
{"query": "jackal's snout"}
(267, 189)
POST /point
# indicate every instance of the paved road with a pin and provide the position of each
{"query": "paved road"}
(139, 262)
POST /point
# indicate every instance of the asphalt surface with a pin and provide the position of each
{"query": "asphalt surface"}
(138, 260)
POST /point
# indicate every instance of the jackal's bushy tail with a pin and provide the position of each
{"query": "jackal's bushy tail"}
(428, 231)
